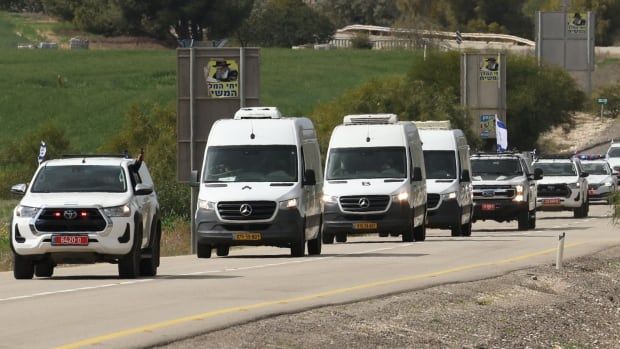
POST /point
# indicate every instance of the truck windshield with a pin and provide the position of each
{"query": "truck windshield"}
(614, 152)
(596, 168)
(365, 163)
(80, 179)
(493, 168)
(272, 163)
(556, 168)
(440, 164)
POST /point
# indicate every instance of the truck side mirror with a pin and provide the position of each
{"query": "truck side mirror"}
(584, 174)
(465, 176)
(19, 189)
(143, 189)
(538, 174)
(416, 176)
(309, 178)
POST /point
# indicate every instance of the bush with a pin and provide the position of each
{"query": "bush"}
(361, 41)
(153, 128)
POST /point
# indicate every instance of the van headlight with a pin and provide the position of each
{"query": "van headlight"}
(288, 204)
(401, 197)
(608, 184)
(329, 198)
(117, 211)
(206, 205)
(26, 211)
(449, 196)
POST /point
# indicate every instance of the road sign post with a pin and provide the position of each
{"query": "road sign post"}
(602, 102)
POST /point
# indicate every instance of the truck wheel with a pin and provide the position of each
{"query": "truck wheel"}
(328, 239)
(129, 265)
(581, 211)
(408, 236)
(532, 219)
(394, 234)
(341, 237)
(203, 250)
(383, 235)
(466, 229)
(23, 267)
(524, 220)
(222, 251)
(419, 233)
(148, 265)
(44, 269)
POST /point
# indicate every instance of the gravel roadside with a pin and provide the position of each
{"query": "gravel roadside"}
(578, 307)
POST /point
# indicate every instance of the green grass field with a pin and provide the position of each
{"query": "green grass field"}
(6, 210)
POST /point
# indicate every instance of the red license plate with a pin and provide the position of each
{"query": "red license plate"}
(69, 240)
(551, 202)
(488, 207)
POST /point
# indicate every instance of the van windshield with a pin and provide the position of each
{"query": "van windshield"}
(364, 163)
(80, 179)
(440, 164)
(271, 163)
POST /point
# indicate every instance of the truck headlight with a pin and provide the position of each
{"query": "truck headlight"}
(608, 184)
(288, 204)
(329, 198)
(574, 185)
(519, 196)
(26, 211)
(206, 205)
(117, 211)
(449, 196)
(401, 197)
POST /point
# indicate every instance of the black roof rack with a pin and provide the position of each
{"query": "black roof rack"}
(556, 156)
(81, 156)
(482, 154)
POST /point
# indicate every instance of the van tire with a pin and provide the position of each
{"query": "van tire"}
(328, 239)
(44, 269)
(314, 245)
(532, 219)
(408, 236)
(419, 233)
(129, 264)
(466, 229)
(523, 220)
(457, 229)
(203, 250)
(383, 235)
(149, 265)
(341, 237)
(298, 246)
(23, 267)
(222, 251)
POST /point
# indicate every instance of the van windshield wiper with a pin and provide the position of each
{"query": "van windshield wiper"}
(281, 184)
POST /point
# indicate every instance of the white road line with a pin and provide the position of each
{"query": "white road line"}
(260, 266)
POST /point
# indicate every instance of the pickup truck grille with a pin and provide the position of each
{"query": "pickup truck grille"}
(432, 200)
(553, 190)
(70, 220)
(488, 192)
(364, 203)
(246, 210)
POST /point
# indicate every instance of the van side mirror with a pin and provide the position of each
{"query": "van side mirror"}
(465, 176)
(584, 174)
(416, 175)
(538, 174)
(309, 178)
(143, 189)
(19, 189)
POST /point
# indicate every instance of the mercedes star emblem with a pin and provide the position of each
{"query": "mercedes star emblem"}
(70, 214)
(364, 203)
(245, 210)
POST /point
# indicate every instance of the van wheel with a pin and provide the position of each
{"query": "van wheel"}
(328, 239)
(222, 251)
(341, 237)
(466, 229)
(532, 219)
(419, 233)
(408, 236)
(383, 235)
(457, 229)
(203, 250)
(44, 269)
(314, 245)
(394, 234)
(298, 246)
(148, 266)
(523, 220)
(129, 265)
(23, 267)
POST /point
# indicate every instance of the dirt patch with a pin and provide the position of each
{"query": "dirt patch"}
(578, 307)
(589, 129)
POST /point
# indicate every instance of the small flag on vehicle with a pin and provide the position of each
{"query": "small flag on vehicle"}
(501, 133)
(459, 37)
(42, 152)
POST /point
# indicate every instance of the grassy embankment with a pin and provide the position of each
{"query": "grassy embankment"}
(88, 92)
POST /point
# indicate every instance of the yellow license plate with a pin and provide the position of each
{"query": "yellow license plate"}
(248, 236)
(365, 226)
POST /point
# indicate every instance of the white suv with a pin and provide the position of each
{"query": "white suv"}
(87, 209)
(565, 187)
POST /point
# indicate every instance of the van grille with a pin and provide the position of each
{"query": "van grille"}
(554, 190)
(361, 203)
(246, 210)
(70, 220)
(432, 200)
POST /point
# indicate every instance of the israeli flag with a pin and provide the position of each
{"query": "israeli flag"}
(501, 133)
(42, 152)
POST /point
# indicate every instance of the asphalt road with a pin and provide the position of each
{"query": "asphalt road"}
(87, 306)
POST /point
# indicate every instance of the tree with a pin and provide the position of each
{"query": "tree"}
(21, 5)
(345, 12)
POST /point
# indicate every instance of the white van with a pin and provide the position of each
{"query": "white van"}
(261, 184)
(375, 180)
(448, 178)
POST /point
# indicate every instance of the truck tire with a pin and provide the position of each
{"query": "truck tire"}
(222, 251)
(23, 267)
(408, 236)
(581, 211)
(148, 265)
(532, 219)
(328, 239)
(466, 229)
(419, 233)
(203, 250)
(341, 237)
(523, 220)
(129, 265)
(44, 269)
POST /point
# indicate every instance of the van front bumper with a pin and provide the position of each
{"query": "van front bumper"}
(397, 219)
(285, 228)
(445, 216)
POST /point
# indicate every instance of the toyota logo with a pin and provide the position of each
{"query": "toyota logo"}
(245, 210)
(364, 203)
(488, 193)
(70, 214)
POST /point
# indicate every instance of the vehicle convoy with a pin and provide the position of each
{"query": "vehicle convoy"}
(565, 187)
(375, 181)
(261, 184)
(613, 158)
(87, 209)
(505, 188)
(601, 180)
(448, 178)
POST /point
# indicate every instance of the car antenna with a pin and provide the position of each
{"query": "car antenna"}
(252, 135)
(368, 133)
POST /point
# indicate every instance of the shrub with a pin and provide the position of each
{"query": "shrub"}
(361, 41)
(612, 93)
